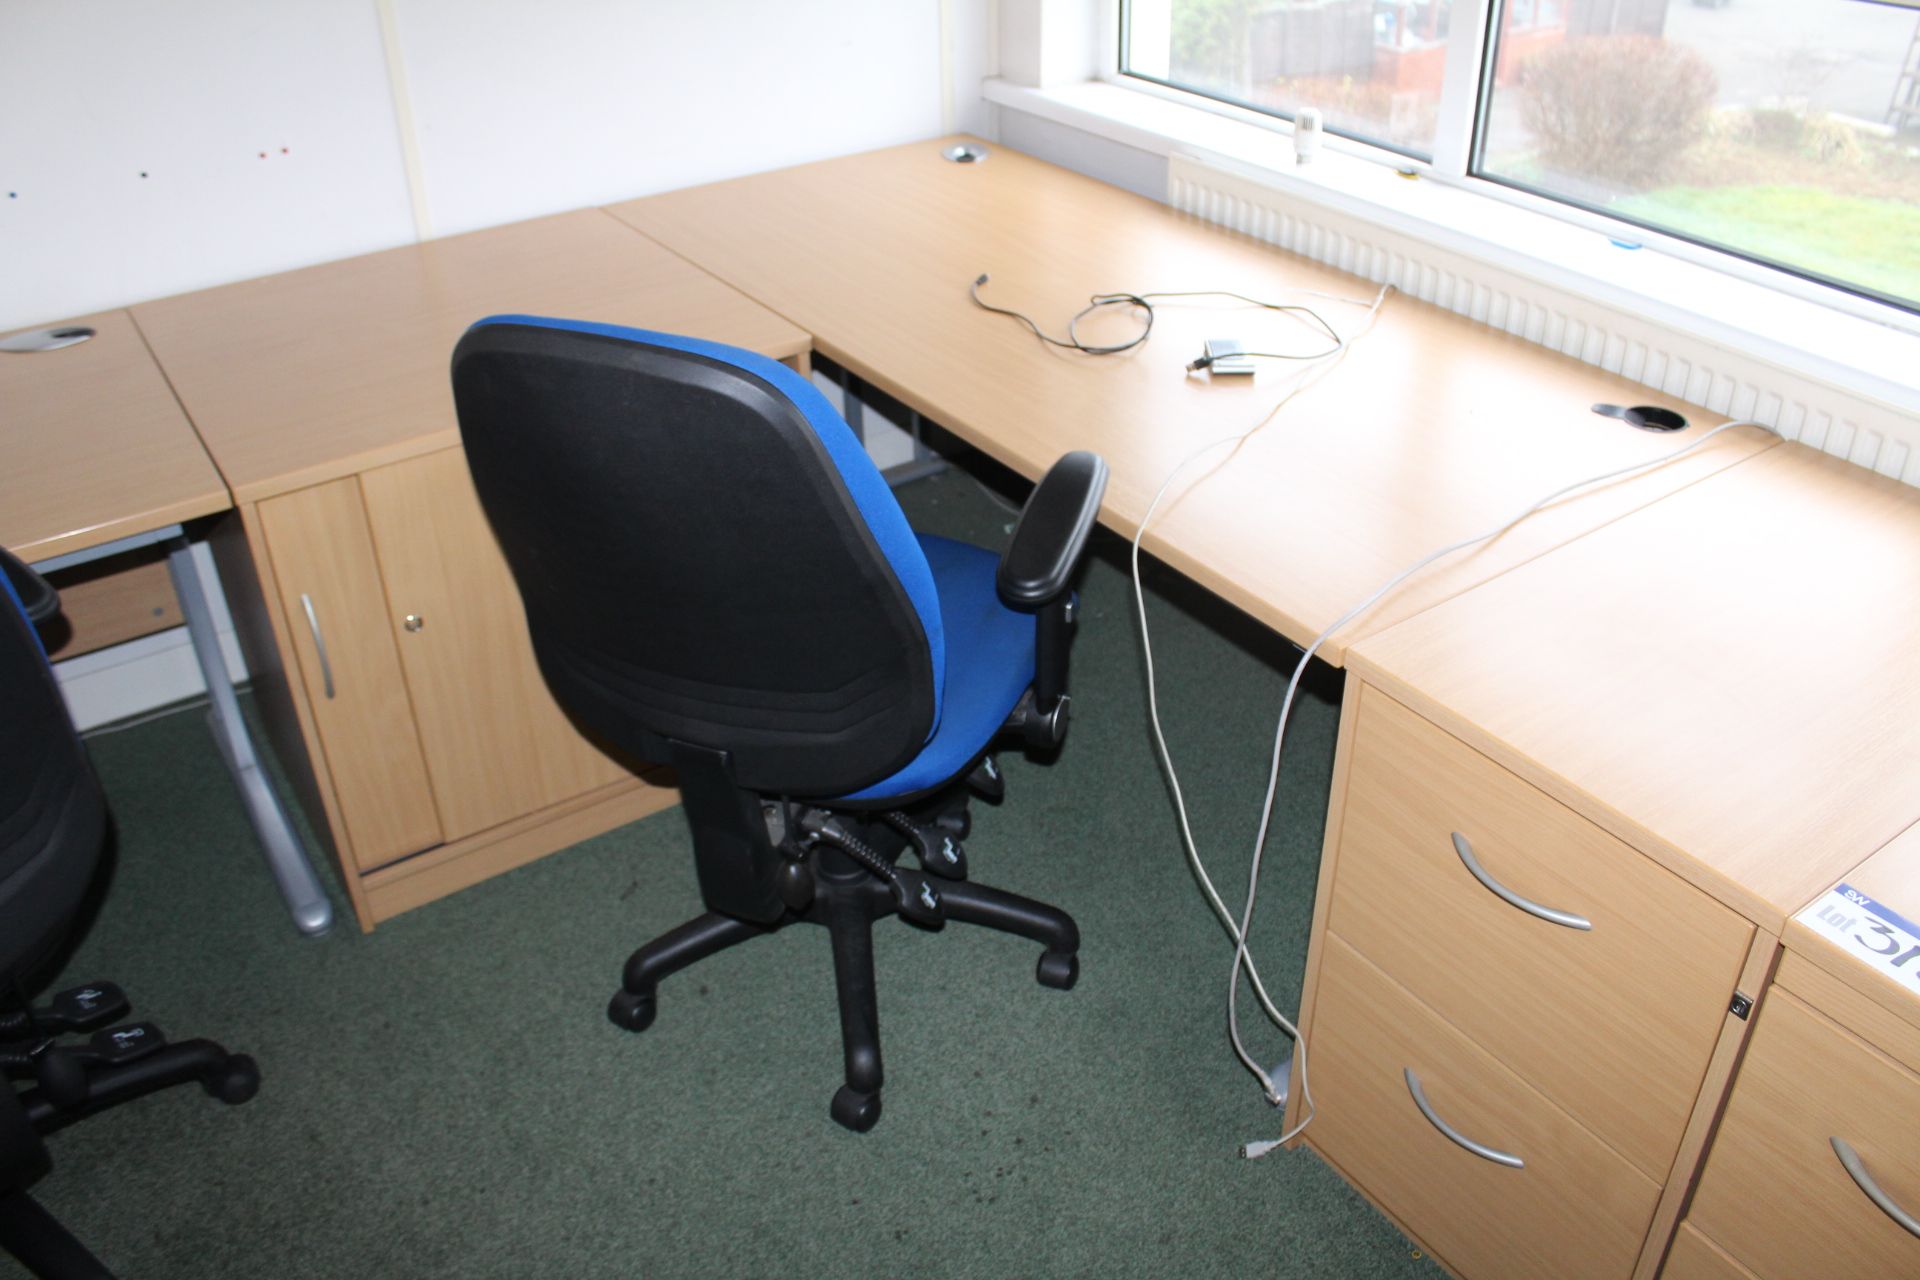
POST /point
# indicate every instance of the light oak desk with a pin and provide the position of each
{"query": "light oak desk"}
(1432, 429)
(100, 460)
(375, 609)
(96, 446)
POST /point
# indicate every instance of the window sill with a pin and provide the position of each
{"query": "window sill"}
(1854, 354)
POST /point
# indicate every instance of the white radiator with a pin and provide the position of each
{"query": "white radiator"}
(1673, 361)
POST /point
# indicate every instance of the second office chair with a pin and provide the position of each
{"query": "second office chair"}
(716, 576)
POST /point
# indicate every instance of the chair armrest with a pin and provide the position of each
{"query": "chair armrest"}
(36, 594)
(1052, 532)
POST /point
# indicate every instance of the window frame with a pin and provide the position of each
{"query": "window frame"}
(1457, 148)
(1449, 108)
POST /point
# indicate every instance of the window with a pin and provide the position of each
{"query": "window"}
(1785, 132)
(1373, 68)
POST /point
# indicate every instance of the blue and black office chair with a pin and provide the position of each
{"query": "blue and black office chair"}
(716, 576)
(53, 828)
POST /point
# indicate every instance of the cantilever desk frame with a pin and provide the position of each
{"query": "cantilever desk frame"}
(286, 858)
(105, 462)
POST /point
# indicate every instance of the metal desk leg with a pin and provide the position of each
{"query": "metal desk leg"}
(925, 462)
(286, 859)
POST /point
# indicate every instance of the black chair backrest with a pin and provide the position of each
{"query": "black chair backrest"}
(52, 815)
(704, 552)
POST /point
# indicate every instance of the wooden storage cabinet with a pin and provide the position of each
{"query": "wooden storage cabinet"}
(1775, 1195)
(429, 729)
(1580, 1043)
(1629, 680)
(322, 396)
(1567, 1007)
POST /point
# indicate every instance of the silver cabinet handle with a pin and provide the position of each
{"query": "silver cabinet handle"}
(1850, 1161)
(319, 645)
(1452, 1134)
(1567, 918)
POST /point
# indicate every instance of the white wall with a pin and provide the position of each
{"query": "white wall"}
(94, 95)
(516, 109)
(526, 109)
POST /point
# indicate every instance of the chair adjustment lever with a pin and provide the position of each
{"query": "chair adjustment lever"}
(83, 1008)
(916, 897)
(986, 780)
(913, 893)
(935, 847)
(77, 1009)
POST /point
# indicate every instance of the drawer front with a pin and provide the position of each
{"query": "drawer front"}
(1694, 1257)
(1615, 1022)
(1575, 1209)
(1775, 1193)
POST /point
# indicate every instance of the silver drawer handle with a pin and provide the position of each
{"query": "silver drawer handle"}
(1850, 1161)
(319, 645)
(1452, 1134)
(1567, 918)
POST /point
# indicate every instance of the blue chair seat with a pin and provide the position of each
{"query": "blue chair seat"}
(990, 652)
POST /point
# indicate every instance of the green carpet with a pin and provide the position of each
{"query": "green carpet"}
(444, 1097)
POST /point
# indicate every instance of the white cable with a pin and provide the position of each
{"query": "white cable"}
(993, 497)
(1305, 379)
(1242, 958)
(1286, 707)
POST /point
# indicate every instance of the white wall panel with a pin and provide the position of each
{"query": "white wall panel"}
(525, 109)
(518, 109)
(95, 95)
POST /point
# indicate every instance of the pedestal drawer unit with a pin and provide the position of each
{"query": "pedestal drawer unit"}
(1817, 1160)
(1579, 808)
(1566, 994)
(1602, 978)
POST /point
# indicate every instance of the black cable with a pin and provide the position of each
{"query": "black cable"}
(1072, 341)
(1204, 361)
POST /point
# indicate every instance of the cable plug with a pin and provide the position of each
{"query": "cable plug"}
(1254, 1150)
(1204, 362)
